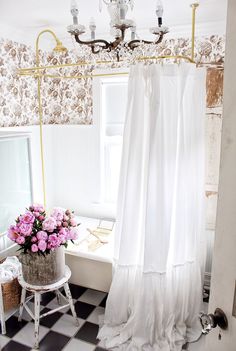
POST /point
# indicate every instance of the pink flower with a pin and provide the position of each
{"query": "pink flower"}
(73, 222)
(13, 228)
(20, 240)
(41, 218)
(66, 218)
(42, 235)
(62, 238)
(72, 234)
(54, 240)
(49, 224)
(58, 214)
(63, 231)
(42, 245)
(36, 214)
(34, 248)
(12, 236)
(28, 217)
(25, 229)
(34, 239)
(65, 224)
(13, 233)
(37, 208)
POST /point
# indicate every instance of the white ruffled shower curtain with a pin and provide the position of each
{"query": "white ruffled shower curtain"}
(156, 292)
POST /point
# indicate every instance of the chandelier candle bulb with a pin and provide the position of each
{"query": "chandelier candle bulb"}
(133, 32)
(92, 27)
(74, 11)
(159, 12)
(100, 5)
(122, 12)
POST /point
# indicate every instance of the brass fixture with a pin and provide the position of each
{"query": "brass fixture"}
(59, 48)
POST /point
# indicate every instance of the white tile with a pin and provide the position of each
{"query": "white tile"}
(54, 304)
(3, 341)
(26, 334)
(25, 314)
(76, 345)
(92, 296)
(102, 344)
(97, 316)
(66, 325)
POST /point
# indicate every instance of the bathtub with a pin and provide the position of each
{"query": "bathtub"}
(94, 269)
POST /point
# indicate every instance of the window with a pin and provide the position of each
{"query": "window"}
(15, 177)
(112, 110)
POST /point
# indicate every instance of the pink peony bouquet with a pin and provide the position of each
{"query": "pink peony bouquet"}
(34, 231)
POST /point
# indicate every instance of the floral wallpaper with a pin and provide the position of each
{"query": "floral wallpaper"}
(69, 101)
(63, 101)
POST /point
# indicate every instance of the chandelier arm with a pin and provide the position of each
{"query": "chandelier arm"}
(135, 43)
(116, 42)
(101, 43)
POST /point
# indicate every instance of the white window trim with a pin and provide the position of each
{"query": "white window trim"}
(98, 122)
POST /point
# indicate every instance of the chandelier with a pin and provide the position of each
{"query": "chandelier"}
(119, 27)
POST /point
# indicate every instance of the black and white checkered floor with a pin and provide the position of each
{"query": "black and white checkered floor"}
(58, 330)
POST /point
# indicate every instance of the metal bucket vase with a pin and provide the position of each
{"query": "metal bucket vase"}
(43, 270)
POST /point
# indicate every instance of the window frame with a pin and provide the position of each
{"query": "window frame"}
(104, 75)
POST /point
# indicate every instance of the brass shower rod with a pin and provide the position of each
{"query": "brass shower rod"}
(36, 71)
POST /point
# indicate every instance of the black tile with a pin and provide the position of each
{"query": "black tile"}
(88, 332)
(76, 290)
(51, 319)
(103, 302)
(206, 295)
(46, 298)
(15, 346)
(53, 341)
(83, 309)
(13, 326)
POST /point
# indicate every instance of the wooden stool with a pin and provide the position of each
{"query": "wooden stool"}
(37, 292)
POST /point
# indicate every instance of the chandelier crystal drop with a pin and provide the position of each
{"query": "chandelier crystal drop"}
(120, 25)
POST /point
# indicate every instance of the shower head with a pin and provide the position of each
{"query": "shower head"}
(59, 47)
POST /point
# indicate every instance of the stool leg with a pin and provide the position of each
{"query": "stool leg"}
(36, 319)
(70, 301)
(58, 297)
(2, 316)
(22, 301)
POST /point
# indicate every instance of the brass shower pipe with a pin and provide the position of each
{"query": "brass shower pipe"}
(194, 8)
(59, 48)
(36, 73)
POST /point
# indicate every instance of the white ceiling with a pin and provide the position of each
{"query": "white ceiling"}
(21, 20)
